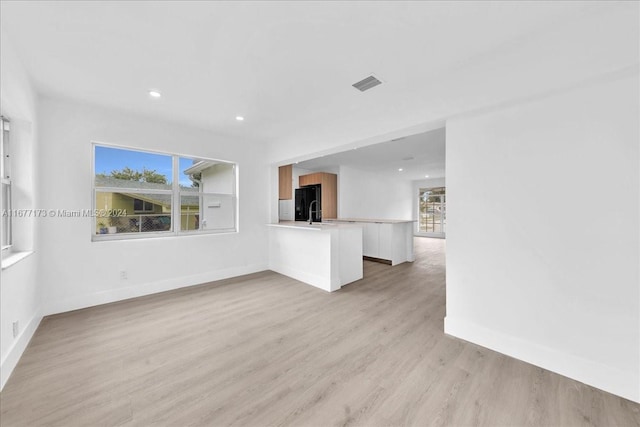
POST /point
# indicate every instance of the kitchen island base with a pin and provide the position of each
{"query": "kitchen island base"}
(327, 256)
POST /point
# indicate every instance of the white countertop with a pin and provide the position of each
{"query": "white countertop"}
(316, 226)
(381, 221)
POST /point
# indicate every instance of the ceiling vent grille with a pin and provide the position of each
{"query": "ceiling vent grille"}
(367, 83)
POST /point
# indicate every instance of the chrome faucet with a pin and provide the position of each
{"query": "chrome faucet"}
(319, 212)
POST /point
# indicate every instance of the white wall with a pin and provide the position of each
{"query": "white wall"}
(77, 272)
(20, 289)
(363, 194)
(427, 183)
(543, 239)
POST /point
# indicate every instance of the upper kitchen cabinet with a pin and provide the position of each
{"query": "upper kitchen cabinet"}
(311, 179)
(329, 191)
(285, 182)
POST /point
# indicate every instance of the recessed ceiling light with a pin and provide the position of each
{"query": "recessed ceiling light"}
(154, 93)
(400, 170)
(426, 176)
(239, 118)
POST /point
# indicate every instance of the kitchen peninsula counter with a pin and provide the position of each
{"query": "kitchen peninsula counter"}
(385, 240)
(369, 220)
(325, 255)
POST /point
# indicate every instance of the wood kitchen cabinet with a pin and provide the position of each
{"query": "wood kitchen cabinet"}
(310, 179)
(329, 191)
(285, 182)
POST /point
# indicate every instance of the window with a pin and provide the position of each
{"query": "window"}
(6, 185)
(141, 194)
(432, 214)
(140, 205)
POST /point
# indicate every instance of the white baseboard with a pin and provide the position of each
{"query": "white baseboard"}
(20, 344)
(119, 294)
(612, 380)
(314, 280)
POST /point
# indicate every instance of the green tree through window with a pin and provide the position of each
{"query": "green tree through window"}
(147, 175)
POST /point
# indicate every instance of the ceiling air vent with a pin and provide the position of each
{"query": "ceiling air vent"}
(367, 83)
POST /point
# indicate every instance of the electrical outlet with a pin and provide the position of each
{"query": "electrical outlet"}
(123, 275)
(16, 328)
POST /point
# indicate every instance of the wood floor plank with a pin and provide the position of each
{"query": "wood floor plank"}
(266, 350)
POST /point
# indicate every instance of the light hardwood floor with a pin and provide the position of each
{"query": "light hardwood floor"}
(267, 350)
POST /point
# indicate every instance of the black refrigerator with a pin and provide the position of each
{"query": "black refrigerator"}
(304, 197)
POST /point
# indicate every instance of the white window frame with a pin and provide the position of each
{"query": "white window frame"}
(5, 173)
(176, 220)
(418, 232)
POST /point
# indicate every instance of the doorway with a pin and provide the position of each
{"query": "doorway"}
(432, 212)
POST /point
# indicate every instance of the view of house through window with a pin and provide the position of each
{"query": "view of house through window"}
(143, 192)
(432, 215)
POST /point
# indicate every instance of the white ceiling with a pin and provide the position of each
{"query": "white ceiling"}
(287, 67)
(417, 155)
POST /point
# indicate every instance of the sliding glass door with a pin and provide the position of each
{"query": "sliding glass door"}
(432, 213)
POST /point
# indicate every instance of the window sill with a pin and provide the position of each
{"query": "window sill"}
(118, 237)
(14, 258)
